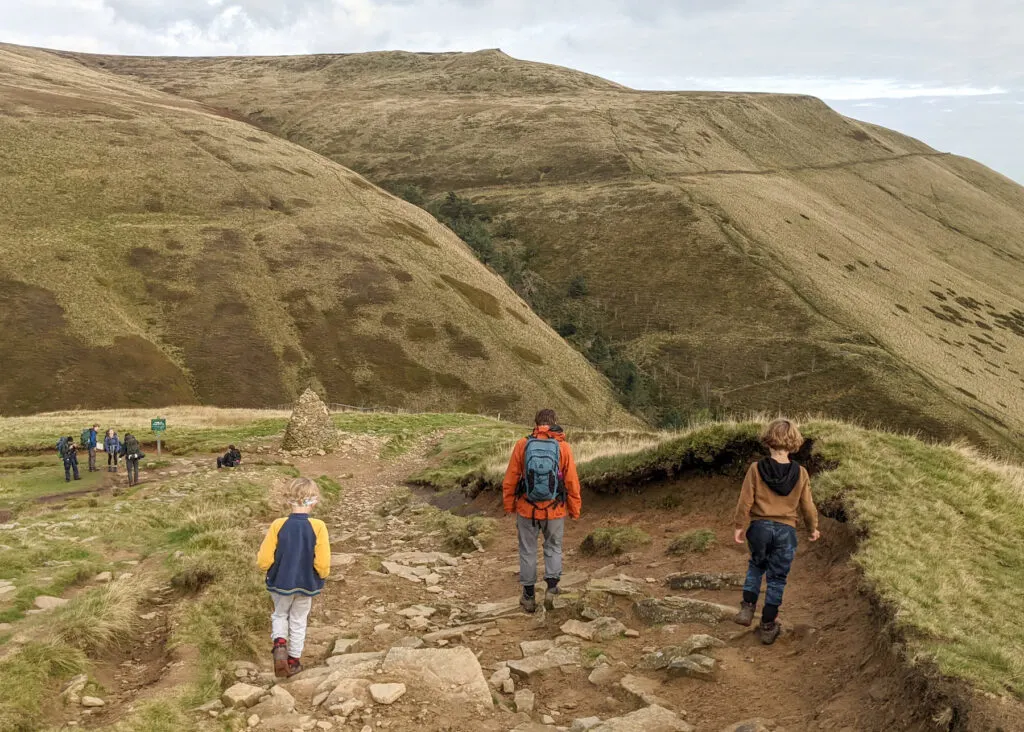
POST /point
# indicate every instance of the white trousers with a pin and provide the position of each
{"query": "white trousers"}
(289, 620)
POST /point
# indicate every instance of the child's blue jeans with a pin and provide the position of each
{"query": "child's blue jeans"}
(772, 548)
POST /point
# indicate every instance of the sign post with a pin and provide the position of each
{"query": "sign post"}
(158, 425)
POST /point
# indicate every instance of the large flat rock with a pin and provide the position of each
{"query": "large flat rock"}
(705, 580)
(648, 719)
(453, 674)
(354, 665)
(655, 611)
(553, 658)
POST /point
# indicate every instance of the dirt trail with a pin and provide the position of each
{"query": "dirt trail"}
(829, 671)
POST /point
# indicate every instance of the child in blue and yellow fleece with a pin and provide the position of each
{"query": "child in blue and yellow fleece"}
(296, 555)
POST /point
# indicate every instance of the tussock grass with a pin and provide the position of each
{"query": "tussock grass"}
(102, 619)
(698, 541)
(609, 542)
(330, 489)
(458, 532)
(28, 676)
(161, 715)
(396, 503)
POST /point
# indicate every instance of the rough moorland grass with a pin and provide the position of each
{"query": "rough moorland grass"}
(198, 429)
(698, 541)
(206, 533)
(458, 532)
(102, 619)
(28, 676)
(608, 542)
(404, 430)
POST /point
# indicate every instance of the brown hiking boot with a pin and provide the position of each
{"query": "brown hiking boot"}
(280, 655)
(529, 604)
(294, 666)
(746, 614)
(770, 631)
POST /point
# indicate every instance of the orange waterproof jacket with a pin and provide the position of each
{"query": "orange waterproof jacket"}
(567, 465)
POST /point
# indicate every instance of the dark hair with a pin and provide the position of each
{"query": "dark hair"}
(545, 416)
(231, 447)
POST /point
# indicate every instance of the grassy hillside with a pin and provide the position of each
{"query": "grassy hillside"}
(709, 251)
(157, 250)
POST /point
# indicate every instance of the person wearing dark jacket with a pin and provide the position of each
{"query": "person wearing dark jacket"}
(230, 459)
(776, 490)
(132, 454)
(112, 445)
(69, 454)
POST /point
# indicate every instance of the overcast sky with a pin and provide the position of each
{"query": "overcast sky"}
(950, 72)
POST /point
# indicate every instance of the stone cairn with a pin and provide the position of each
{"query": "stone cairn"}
(310, 429)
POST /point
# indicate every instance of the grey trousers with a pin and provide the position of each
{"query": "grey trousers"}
(529, 530)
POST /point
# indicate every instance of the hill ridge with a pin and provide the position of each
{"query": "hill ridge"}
(223, 264)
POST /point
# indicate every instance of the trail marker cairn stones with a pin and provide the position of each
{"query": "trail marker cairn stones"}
(310, 429)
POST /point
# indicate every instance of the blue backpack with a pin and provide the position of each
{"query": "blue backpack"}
(542, 480)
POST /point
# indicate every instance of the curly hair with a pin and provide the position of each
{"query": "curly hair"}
(782, 434)
(297, 492)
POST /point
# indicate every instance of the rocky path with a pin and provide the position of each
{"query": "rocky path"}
(408, 636)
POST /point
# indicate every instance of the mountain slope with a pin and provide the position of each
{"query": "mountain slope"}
(157, 251)
(745, 251)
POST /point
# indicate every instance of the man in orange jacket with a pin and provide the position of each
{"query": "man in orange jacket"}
(541, 485)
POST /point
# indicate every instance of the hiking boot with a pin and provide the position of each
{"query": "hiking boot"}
(746, 614)
(294, 666)
(529, 604)
(280, 655)
(770, 631)
(549, 597)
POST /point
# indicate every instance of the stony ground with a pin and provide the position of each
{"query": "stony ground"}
(640, 641)
(409, 636)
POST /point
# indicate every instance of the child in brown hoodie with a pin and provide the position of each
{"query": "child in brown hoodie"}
(774, 491)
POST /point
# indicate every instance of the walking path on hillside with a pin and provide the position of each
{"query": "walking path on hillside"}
(613, 655)
(409, 635)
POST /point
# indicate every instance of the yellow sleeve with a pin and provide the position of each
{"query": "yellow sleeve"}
(265, 557)
(322, 551)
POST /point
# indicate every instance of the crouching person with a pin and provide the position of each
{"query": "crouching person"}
(541, 486)
(296, 555)
(230, 459)
(776, 490)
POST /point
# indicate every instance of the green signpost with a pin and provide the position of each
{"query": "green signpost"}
(158, 425)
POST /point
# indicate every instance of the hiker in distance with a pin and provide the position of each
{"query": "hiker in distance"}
(541, 487)
(132, 453)
(112, 446)
(90, 441)
(230, 459)
(69, 456)
(775, 490)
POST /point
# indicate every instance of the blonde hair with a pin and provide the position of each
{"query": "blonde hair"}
(782, 434)
(297, 492)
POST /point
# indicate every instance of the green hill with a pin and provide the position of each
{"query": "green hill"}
(725, 252)
(159, 251)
